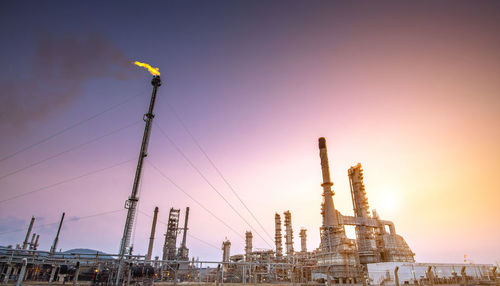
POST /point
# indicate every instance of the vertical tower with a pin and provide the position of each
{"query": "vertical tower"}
(367, 246)
(226, 250)
(56, 240)
(183, 250)
(288, 233)
(152, 236)
(248, 245)
(32, 243)
(337, 254)
(36, 242)
(133, 199)
(328, 209)
(277, 236)
(303, 240)
(30, 227)
(169, 247)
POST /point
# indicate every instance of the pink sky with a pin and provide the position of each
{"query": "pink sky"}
(411, 93)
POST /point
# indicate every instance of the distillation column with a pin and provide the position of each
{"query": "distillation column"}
(367, 246)
(169, 247)
(248, 245)
(226, 250)
(303, 240)
(277, 236)
(288, 234)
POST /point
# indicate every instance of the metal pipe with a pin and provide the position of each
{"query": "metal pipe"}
(77, 273)
(52, 273)
(494, 271)
(56, 239)
(131, 203)
(21, 274)
(430, 276)
(36, 242)
(464, 276)
(32, 243)
(25, 243)
(396, 276)
(7, 274)
(152, 237)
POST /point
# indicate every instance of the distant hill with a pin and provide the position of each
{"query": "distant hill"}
(84, 252)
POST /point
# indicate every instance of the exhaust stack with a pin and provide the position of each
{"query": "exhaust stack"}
(54, 245)
(152, 237)
(328, 211)
(183, 251)
(25, 243)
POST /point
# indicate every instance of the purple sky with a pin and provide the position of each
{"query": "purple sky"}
(410, 90)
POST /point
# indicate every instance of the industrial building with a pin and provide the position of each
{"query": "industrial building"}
(337, 258)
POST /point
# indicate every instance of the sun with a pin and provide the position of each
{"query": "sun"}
(386, 202)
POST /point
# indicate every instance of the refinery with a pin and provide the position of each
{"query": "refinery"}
(377, 256)
(237, 143)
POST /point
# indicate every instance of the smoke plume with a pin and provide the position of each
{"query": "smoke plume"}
(55, 76)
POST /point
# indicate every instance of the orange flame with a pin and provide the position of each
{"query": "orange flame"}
(152, 70)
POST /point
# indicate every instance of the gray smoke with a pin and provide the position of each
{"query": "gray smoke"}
(56, 74)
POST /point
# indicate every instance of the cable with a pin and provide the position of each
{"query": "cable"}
(217, 169)
(196, 201)
(190, 235)
(68, 128)
(207, 243)
(210, 184)
(67, 221)
(68, 150)
(64, 181)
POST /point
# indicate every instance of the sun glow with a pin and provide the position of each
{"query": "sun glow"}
(386, 202)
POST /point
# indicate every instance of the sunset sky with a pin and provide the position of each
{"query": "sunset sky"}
(409, 90)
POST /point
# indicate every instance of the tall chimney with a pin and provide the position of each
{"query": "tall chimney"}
(25, 243)
(56, 240)
(36, 242)
(152, 237)
(288, 233)
(329, 213)
(248, 245)
(32, 243)
(277, 236)
(303, 240)
(183, 251)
